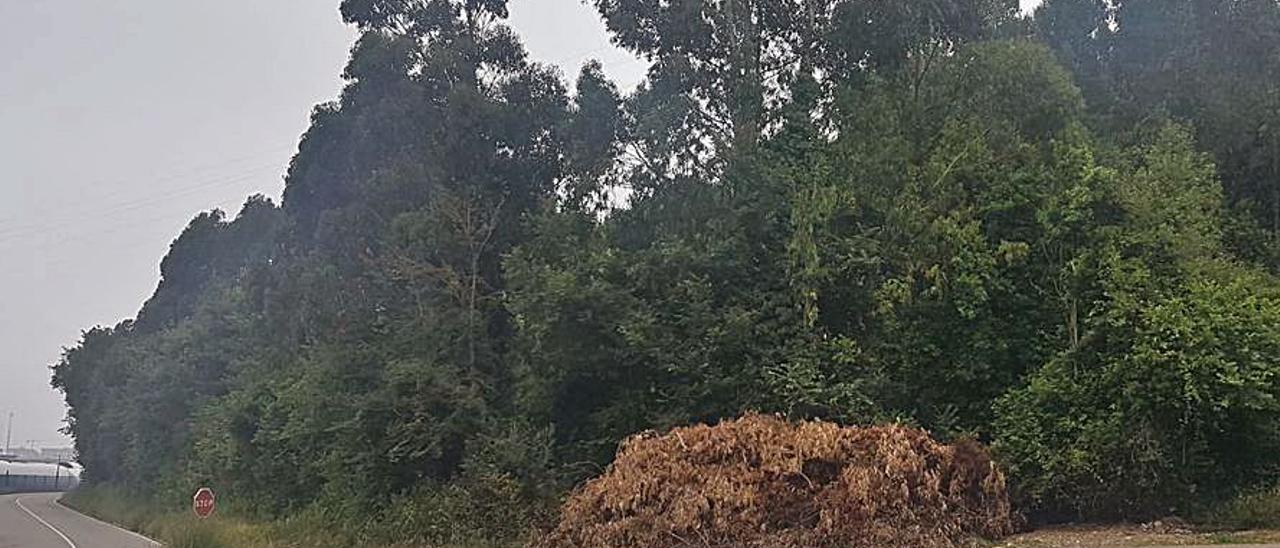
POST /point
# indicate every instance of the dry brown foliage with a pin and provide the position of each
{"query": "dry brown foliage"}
(761, 481)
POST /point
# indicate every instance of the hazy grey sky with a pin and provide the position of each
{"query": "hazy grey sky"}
(121, 119)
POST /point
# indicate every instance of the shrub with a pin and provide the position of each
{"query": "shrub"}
(484, 511)
(761, 481)
(1253, 510)
(195, 536)
(1171, 404)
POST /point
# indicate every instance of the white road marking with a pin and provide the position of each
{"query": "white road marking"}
(18, 502)
(116, 527)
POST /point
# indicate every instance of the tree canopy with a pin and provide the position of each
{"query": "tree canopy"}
(1056, 234)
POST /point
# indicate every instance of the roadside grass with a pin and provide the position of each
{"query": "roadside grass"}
(1244, 537)
(1256, 510)
(1129, 536)
(1249, 519)
(110, 505)
(180, 529)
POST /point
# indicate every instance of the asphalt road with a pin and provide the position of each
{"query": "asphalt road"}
(38, 521)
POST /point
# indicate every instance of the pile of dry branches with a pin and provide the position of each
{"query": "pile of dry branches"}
(762, 481)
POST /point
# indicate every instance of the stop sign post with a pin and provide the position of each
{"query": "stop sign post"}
(203, 502)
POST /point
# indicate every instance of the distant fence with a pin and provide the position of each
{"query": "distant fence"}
(14, 483)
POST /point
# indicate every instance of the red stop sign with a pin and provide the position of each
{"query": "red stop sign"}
(203, 502)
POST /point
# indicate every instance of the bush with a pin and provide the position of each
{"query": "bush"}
(487, 511)
(761, 481)
(195, 536)
(1170, 405)
(1253, 510)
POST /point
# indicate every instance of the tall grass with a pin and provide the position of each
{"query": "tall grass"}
(315, 528)
(1256, 510)
(176, 527)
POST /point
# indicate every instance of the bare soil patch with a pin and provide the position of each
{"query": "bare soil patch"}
(1132, 536)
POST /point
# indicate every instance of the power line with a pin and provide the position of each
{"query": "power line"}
(155, 198)
(209, 173)
(199, 170)
(117, 209)
(168, 216)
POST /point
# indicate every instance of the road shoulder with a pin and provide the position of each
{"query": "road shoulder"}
(78, 529)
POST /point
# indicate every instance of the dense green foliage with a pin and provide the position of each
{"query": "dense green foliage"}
(1057, 234)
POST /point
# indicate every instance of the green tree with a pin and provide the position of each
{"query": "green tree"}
(1170, 397)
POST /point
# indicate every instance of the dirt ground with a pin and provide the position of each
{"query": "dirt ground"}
(1135, 535)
